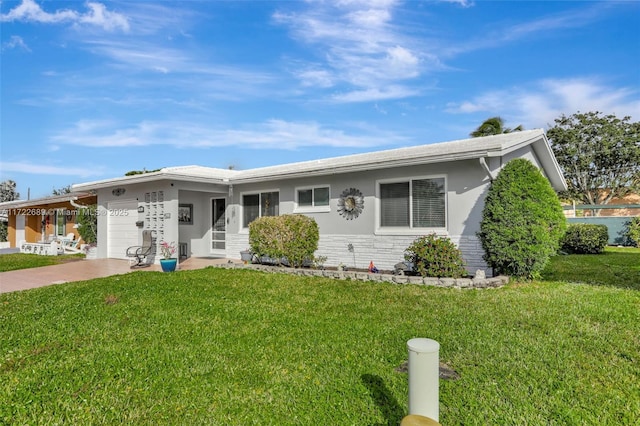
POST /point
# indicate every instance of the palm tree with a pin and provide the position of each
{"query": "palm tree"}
(493, 126)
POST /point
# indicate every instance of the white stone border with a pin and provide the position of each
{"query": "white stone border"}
(494, 282)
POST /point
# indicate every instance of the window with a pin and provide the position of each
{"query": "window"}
(61, 223)
(258, 205)
(313, 197)
(417, 203)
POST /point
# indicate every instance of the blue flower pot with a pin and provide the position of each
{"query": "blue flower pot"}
(168, 265)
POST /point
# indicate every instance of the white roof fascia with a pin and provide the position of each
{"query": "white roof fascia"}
(491, 146)
(182, 173)
(550, 164)
(43, 200)
(465, 149)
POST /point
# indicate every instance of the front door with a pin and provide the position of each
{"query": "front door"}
(218, 226)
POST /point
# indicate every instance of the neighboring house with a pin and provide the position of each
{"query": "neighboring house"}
(627, 206)
(630, 200)
(44, 219)
(369, 207)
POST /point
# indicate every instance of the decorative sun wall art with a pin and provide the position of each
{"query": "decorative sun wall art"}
(350, 203)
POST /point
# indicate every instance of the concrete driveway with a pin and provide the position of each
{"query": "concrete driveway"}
(82, 270)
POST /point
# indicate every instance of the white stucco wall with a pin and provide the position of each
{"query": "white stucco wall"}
(466, 181)
(137, 193)
(466, 185)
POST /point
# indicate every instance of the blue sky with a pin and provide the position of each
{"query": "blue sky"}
(91, 90)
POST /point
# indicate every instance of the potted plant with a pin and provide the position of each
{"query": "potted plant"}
(167, 262)
(246, 256)
(90, 251)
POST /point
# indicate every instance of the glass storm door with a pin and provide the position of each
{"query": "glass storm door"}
(218, 225)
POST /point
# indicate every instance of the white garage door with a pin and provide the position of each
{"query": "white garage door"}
(121, 230)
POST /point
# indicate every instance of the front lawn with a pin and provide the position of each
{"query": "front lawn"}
(238, 347)
(14, 261)
(617, 266)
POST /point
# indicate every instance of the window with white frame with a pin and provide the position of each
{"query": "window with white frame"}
(312, 197)
(413, 203)
(258, 205)
(60, 223)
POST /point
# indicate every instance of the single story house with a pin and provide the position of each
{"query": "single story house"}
(44, 219)
(369, 207)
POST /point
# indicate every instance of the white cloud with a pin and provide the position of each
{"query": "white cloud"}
(375, 94)
(211, 79)
(15, 42)
(537, 104)
(271, 134)
(369, 18)
(44, 169)
(462, 3)
(144, 56)
(498, 35)
(359, 48)
(315, 77)
(29, 10)
(98, 15)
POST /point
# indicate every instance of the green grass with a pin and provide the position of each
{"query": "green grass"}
(619, 267)
(238, 347)
(14, 261)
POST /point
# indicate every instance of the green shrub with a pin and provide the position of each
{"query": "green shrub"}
(632, 231)
(522, 221)
(294, 237)
(585, 238)
(435, 257)
(87, 221)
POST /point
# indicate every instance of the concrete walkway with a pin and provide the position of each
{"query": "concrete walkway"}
(82, 270)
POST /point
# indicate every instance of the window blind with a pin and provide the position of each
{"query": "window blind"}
(428, 203)
(394, 204)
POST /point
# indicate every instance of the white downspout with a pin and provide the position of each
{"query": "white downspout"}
(484, 164)
(72, 200)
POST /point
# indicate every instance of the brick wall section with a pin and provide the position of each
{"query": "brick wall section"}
(384, 250)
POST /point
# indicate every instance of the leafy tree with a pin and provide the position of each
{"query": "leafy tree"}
(493, 126)
(522, 221)
(599, 155)
(140, 172)
(7, 193)
(63, 190)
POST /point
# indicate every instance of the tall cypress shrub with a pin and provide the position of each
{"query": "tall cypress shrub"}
(522, 221)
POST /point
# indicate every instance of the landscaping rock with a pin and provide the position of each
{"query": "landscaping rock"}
(476, 282)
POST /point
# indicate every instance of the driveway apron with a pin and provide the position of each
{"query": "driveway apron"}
(82, 270)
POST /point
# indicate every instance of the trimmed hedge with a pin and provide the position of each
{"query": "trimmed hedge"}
(292, 237)
(436, 257)
(522, 221)
(585, 238)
